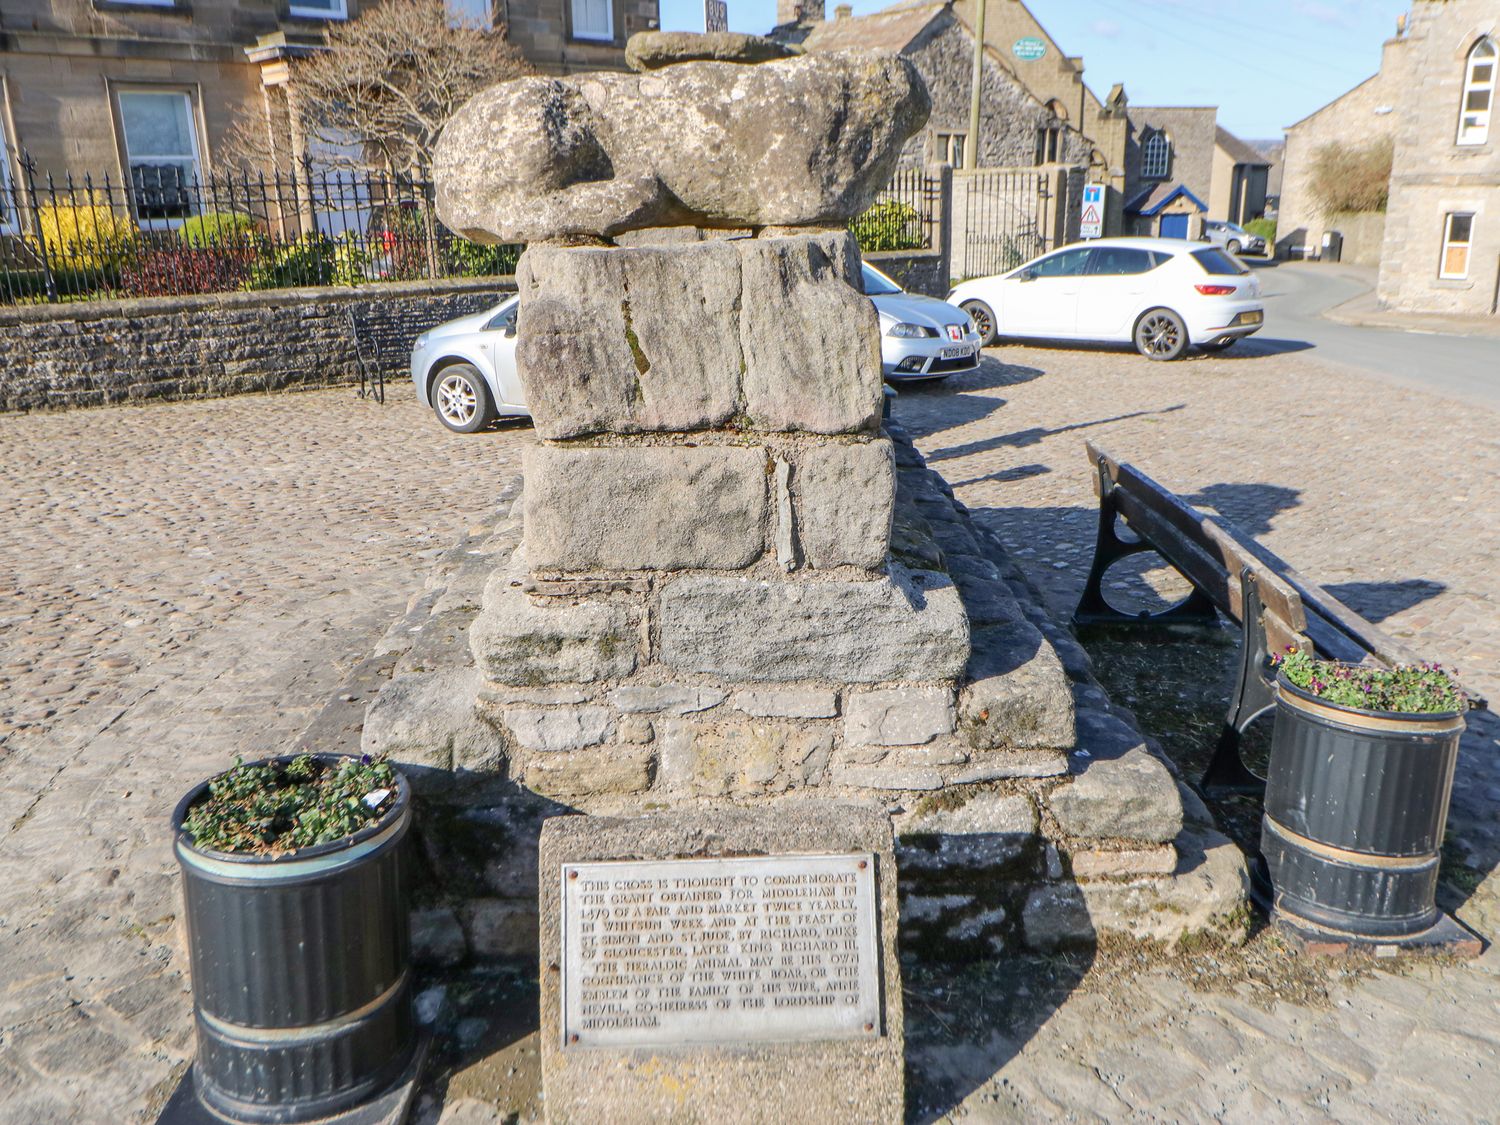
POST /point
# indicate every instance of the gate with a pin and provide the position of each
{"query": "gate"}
(1003, 216)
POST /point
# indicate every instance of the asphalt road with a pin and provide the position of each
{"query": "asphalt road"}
(1461, 367)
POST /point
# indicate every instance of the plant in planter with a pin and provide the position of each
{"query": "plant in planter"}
(297, 899)
(1361, 771)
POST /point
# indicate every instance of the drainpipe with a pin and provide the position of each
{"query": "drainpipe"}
(976, 81)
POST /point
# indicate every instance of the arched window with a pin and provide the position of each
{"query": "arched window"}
(1156, 156)
(1479, 93)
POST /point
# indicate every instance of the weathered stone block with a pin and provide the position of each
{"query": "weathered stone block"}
(813, 1080)
(791, 703)
(989, 830)
(500, 927)
(886, 777)
(741, 759)
(908, 625)
(929, 908)
(614, 771)
(518, 643)
(562, 728)
(675, 699)
(624, 341)
(652, 508)
(996, 765)
(1127, 796)
(845, 493)
(437, 938)
(907, 716)
(811, 339)
(1094, 863)
(1018, 695)
(427, 723)
(1057, 916)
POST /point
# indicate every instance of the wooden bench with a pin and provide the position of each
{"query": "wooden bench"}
(1275, 607)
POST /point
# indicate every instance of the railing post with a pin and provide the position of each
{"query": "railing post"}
(943, 173)
(28, 168)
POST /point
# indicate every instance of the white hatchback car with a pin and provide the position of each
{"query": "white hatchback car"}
(1160, 294)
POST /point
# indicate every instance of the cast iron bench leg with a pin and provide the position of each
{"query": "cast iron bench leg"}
(1253, 697)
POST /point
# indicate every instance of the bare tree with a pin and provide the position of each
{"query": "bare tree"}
(381, 90)
(1346, 178)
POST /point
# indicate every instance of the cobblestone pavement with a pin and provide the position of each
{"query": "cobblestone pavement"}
(1383, 496)
(182, 583)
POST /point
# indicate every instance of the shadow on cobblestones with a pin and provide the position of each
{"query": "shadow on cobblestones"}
(1252, 508)
(1379, 600)
(1034, 435)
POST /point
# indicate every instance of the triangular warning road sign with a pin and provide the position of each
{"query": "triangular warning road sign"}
(1091, 214)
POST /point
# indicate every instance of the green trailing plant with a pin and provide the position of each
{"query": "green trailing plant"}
(278, 807)
(1408, 689)
(888, 225)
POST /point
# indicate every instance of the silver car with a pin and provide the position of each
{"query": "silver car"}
(920, 337)
(1233, 237)
(465, 370)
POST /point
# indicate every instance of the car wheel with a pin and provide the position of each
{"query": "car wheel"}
(1233, 245)
(984, 321)
(1160, 334)
(1218, 345)
(461, 399)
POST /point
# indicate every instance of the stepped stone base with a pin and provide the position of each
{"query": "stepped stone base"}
(1028, 810)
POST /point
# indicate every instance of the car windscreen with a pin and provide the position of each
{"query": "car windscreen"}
(875, 285)
(1217, 262)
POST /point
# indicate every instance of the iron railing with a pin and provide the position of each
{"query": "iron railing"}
(905, 216)
(166, 231)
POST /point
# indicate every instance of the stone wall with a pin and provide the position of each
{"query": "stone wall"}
(1360, 117)
(1432, 176)
(1011, 114)
(1363, 231)
(94, 352)
(916, 271)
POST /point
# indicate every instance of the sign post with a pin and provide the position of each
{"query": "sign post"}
(1091, 219)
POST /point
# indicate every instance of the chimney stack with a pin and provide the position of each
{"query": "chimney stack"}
(843, 11)
(800, 12)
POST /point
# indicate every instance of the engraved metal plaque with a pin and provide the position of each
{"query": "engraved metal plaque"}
(719, 951)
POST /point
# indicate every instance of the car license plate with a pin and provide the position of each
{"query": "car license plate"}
(1250, 318)
(955, 353)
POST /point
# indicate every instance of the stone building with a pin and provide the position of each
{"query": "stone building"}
(1441, 251)
(1017, 129)
(1364, 116)
(102, 86)
(1169, 165)
(1239, 187)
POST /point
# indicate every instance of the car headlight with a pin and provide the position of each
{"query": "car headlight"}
(907, 331)
(420, 342)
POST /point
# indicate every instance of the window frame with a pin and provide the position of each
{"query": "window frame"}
(1449, 243)
(1479, 133)
(10, 211)
(1082, 271)
(339, 11)
(590, 36)
(1099, 253)
(1156, 136)
(119, 92)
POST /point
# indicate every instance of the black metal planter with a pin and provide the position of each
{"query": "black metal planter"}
(301, 973)
(1355, 808)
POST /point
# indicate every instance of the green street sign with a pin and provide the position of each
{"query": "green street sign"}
(1029, 48)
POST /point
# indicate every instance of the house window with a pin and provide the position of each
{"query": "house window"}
(9, 212)
(1458, 232)
(1479, 93)
(1156, 156)
(1048, 144)
(320, 9)
(948, 148)
(593, 19)
(469, 13)
(161, 151)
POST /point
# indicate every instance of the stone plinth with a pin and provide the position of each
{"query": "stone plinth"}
(829, 1074)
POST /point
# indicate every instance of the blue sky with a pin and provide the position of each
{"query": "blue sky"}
(1264, 63)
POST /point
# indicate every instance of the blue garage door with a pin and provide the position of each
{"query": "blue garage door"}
(1174, 226)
